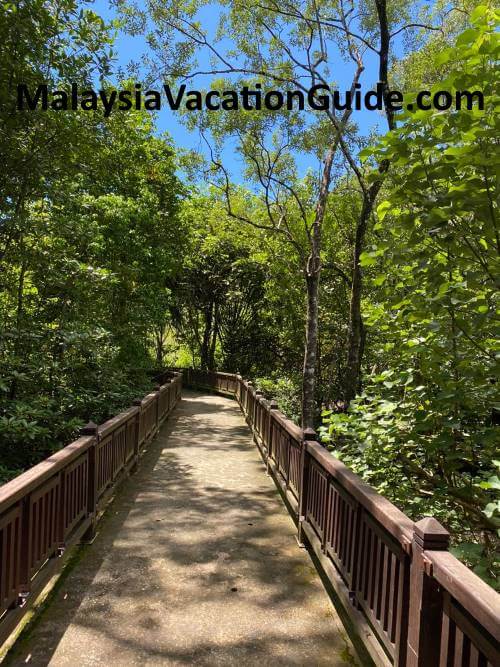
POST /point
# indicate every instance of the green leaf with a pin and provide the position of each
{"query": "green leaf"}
(383, 208)
(492, 483)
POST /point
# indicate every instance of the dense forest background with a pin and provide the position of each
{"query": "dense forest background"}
(362, 295)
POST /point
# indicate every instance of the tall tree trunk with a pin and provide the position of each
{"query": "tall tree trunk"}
(207, 333)
(160, 341)
(213, 339)
(355, 340)
(310, 356)
(356, 334)
(313, 271)
(312, 276)
(19, 324)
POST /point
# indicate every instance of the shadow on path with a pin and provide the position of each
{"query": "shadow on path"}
(195, 563)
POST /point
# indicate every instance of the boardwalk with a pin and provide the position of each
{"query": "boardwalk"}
(194, 564)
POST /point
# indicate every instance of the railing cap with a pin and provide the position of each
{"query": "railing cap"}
(89, 429)
(430, 534)
(273, 404)
(309, 434)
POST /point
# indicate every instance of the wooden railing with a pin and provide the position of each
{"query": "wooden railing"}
(57, 502)
(412, 602)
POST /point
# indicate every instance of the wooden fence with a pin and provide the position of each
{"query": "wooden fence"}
(57, 502)
(412, 602)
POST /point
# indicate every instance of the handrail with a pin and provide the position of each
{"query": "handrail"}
(292, 428)
(387, 514)
(396, 578)
(413, 602)
(467, 589)
(148, 398)
(115, 422)
(57, 502)
(12, 491)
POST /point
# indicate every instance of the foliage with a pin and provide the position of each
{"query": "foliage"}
(89, 236)
(285, 391)
(425, 429)
(110, 266)
(219, 310)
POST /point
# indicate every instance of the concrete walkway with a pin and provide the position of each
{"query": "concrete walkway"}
(195, 564)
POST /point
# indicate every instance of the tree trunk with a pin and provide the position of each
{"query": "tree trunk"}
(356, 333)
(353, 368)
(312, 273)
(213, 340)
(160, 343)
(355, 340)
(310, 356)
(207, 333)
(19, 323)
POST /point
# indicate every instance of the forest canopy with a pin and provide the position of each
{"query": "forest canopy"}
(350, 270)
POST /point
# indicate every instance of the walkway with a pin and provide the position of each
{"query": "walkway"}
(195, 564)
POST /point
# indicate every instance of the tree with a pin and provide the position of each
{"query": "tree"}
(427, 423)
(88, 236)
(286, 45)
(57, 43)
(221, 290)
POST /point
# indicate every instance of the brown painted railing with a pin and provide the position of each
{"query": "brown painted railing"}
(54, 504)
(406, 593)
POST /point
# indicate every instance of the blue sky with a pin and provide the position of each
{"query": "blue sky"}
(130, 49)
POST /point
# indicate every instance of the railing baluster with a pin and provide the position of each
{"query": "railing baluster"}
(93, 475)
(406, 599)
(55, 502)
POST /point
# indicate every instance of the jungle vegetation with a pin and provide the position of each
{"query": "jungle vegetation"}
(361, 293)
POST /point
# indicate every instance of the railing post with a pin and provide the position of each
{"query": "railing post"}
(258, 396)
(137, 432)
(157, 388)
(244, 396)
(308, 435)
(273, 406)
(138, 403)
(249, 393)
(93, 430)
(426, 599)
(61, 547)
(173, 393)
(25, 573)
(254, 409)
(247, 397)
(171, 396)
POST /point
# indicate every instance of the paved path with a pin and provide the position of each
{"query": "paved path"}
(194, 564)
